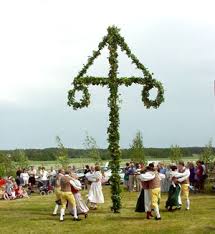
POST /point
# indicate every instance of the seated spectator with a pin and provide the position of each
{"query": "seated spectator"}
(9, 189)
(21, 193)
(2, 181)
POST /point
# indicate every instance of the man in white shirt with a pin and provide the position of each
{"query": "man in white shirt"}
(154, 178)
(183, 178)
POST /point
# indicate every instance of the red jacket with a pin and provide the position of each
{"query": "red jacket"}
(199, 171)
(2, 182)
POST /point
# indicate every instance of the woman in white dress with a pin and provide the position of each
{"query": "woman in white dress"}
(95, 195)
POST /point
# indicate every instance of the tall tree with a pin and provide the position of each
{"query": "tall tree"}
(175, 153)
(137, 149)
(20, 158)
(208, 154)
(62, 154)
(7, 167)
(92, 148)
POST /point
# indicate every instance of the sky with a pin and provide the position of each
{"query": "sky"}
(44, 44)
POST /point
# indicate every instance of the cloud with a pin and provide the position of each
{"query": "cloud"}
(44, 44)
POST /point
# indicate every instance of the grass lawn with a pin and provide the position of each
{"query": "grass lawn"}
(34, 216)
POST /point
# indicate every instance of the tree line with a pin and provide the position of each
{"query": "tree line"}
(51, 154)
(11, 159)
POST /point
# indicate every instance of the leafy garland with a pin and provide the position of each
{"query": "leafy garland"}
(80, 83)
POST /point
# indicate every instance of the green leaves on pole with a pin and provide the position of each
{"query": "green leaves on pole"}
(114, 40)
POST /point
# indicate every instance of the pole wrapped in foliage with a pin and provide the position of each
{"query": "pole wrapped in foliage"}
(114, 40)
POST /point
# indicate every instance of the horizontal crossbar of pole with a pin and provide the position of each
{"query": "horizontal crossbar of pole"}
(127, 81)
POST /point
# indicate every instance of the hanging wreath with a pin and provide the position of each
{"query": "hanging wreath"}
(145, 94)
(84, 101)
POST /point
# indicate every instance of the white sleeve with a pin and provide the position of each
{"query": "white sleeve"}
(98, 175)
(177, 174)
(147, 176)
(181, 179)
(162, 176)
(186, 173)
(91, 177)
(76, 184)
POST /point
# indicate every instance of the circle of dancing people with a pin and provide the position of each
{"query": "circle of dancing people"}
(67, 191)
(150, 181)
(149, 198)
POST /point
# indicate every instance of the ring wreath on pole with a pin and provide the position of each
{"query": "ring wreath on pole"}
(145, 94)
(84, 101)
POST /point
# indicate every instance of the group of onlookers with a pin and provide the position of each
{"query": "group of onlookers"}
(10, 190)
(29, 176)
(131, 176)
(21, 185)
(198, 175)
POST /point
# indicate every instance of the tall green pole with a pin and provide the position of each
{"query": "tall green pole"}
(113, 129)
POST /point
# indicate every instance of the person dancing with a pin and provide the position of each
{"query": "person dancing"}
(58, 190)
(154, 179)
(80, 204)
(174, 190)
(95, 195)
(144, 200)
(183, 179)
(67, 196)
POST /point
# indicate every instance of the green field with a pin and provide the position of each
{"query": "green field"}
(34, 216)
(81, 162)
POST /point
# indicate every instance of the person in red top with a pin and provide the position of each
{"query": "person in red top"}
(199, 175)
(2, 181)
(144, 200)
